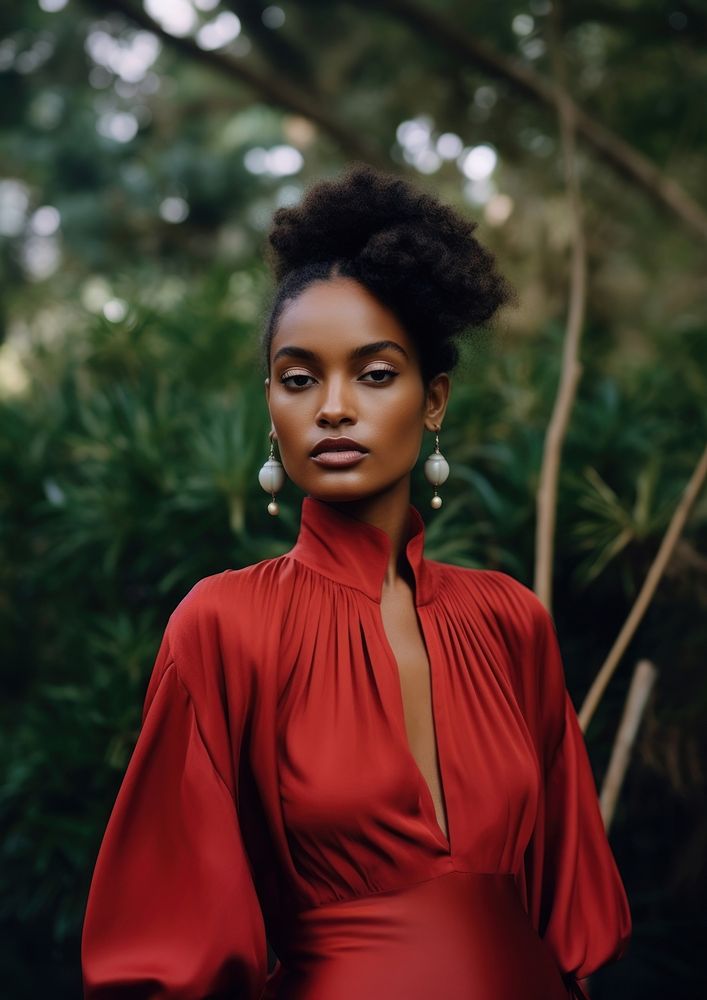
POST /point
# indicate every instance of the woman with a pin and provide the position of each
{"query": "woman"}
(363, 756)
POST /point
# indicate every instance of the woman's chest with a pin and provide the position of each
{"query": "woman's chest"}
(388, 724)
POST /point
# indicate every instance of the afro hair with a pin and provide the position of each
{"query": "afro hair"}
(418, 256)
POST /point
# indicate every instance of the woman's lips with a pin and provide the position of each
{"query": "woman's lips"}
(339, 459)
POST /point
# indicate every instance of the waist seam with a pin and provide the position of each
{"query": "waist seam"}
(402, 888)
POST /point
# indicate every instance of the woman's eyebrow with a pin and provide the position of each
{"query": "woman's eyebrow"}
(290, 351)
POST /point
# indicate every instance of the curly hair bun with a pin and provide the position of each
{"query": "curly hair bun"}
(418, 255)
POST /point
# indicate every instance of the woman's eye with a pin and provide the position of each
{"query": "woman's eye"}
(381, 371)
(287, 378)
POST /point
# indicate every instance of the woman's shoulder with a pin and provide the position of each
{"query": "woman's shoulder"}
(225, 600)
(233, 592)
(219, 626)
(482, 580)
(498, 592)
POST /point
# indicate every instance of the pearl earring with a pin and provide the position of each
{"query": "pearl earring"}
(436, 471)
(272, 477)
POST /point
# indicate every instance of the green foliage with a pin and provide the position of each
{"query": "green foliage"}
(134, 422)
(130, 470)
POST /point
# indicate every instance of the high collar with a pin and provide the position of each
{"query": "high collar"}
(356, 553)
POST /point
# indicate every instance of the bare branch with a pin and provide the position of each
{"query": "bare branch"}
(645, 595)
(642, 682)
(280, 51)
(625, 158)
(571, 367)
(268, 85)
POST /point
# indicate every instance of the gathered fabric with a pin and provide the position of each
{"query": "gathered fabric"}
(272, 795)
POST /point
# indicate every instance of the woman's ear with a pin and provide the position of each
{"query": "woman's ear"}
(436, 400)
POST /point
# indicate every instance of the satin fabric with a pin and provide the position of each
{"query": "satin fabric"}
(461, 936)
(272, 795)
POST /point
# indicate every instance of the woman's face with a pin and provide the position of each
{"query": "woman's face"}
(331, 375)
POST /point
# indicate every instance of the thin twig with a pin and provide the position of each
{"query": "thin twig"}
(650, 584)
(571, 368)
(644, 677)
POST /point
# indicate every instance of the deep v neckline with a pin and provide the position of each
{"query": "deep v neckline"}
(402, 728)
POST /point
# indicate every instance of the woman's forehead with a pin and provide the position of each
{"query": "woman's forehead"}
(337, 315)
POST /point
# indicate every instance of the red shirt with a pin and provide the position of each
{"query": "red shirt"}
(272, 785)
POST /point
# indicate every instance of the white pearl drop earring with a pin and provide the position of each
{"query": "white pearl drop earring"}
(272, 477)
(436, 471)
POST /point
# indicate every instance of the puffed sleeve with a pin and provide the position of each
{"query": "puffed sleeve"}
(576, 895)
(172, 912)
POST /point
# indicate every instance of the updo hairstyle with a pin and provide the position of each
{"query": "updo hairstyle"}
(419, 257)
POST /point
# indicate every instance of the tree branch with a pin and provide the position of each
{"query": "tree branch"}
(629, 162)
(273, 89)
(650, 584)
(571, 367)
(279, 49)
(644, 677)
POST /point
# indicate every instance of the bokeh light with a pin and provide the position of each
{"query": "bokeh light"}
(522, 24)
(128, 57)
(279, 161)
(479, 162)
(52, 6)
(219, 32)
(45, 220)
(14, 201)
(449, 146)
(115, 310)
(121, 126)
(498, 209)
(174, 209)
(273, 17)
(177, 17)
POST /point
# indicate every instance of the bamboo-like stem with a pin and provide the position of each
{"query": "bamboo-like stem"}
(571, 369)
(644, 677)
(650, 584)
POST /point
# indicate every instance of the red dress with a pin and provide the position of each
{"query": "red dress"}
(272, 795)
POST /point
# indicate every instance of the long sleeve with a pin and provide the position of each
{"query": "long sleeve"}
(172, 912)
(577, 897)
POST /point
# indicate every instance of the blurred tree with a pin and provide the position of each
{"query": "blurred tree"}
(144, 148)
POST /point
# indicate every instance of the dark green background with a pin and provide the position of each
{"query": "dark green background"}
(133, 421)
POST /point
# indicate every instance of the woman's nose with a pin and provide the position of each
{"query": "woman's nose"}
(337, 403)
